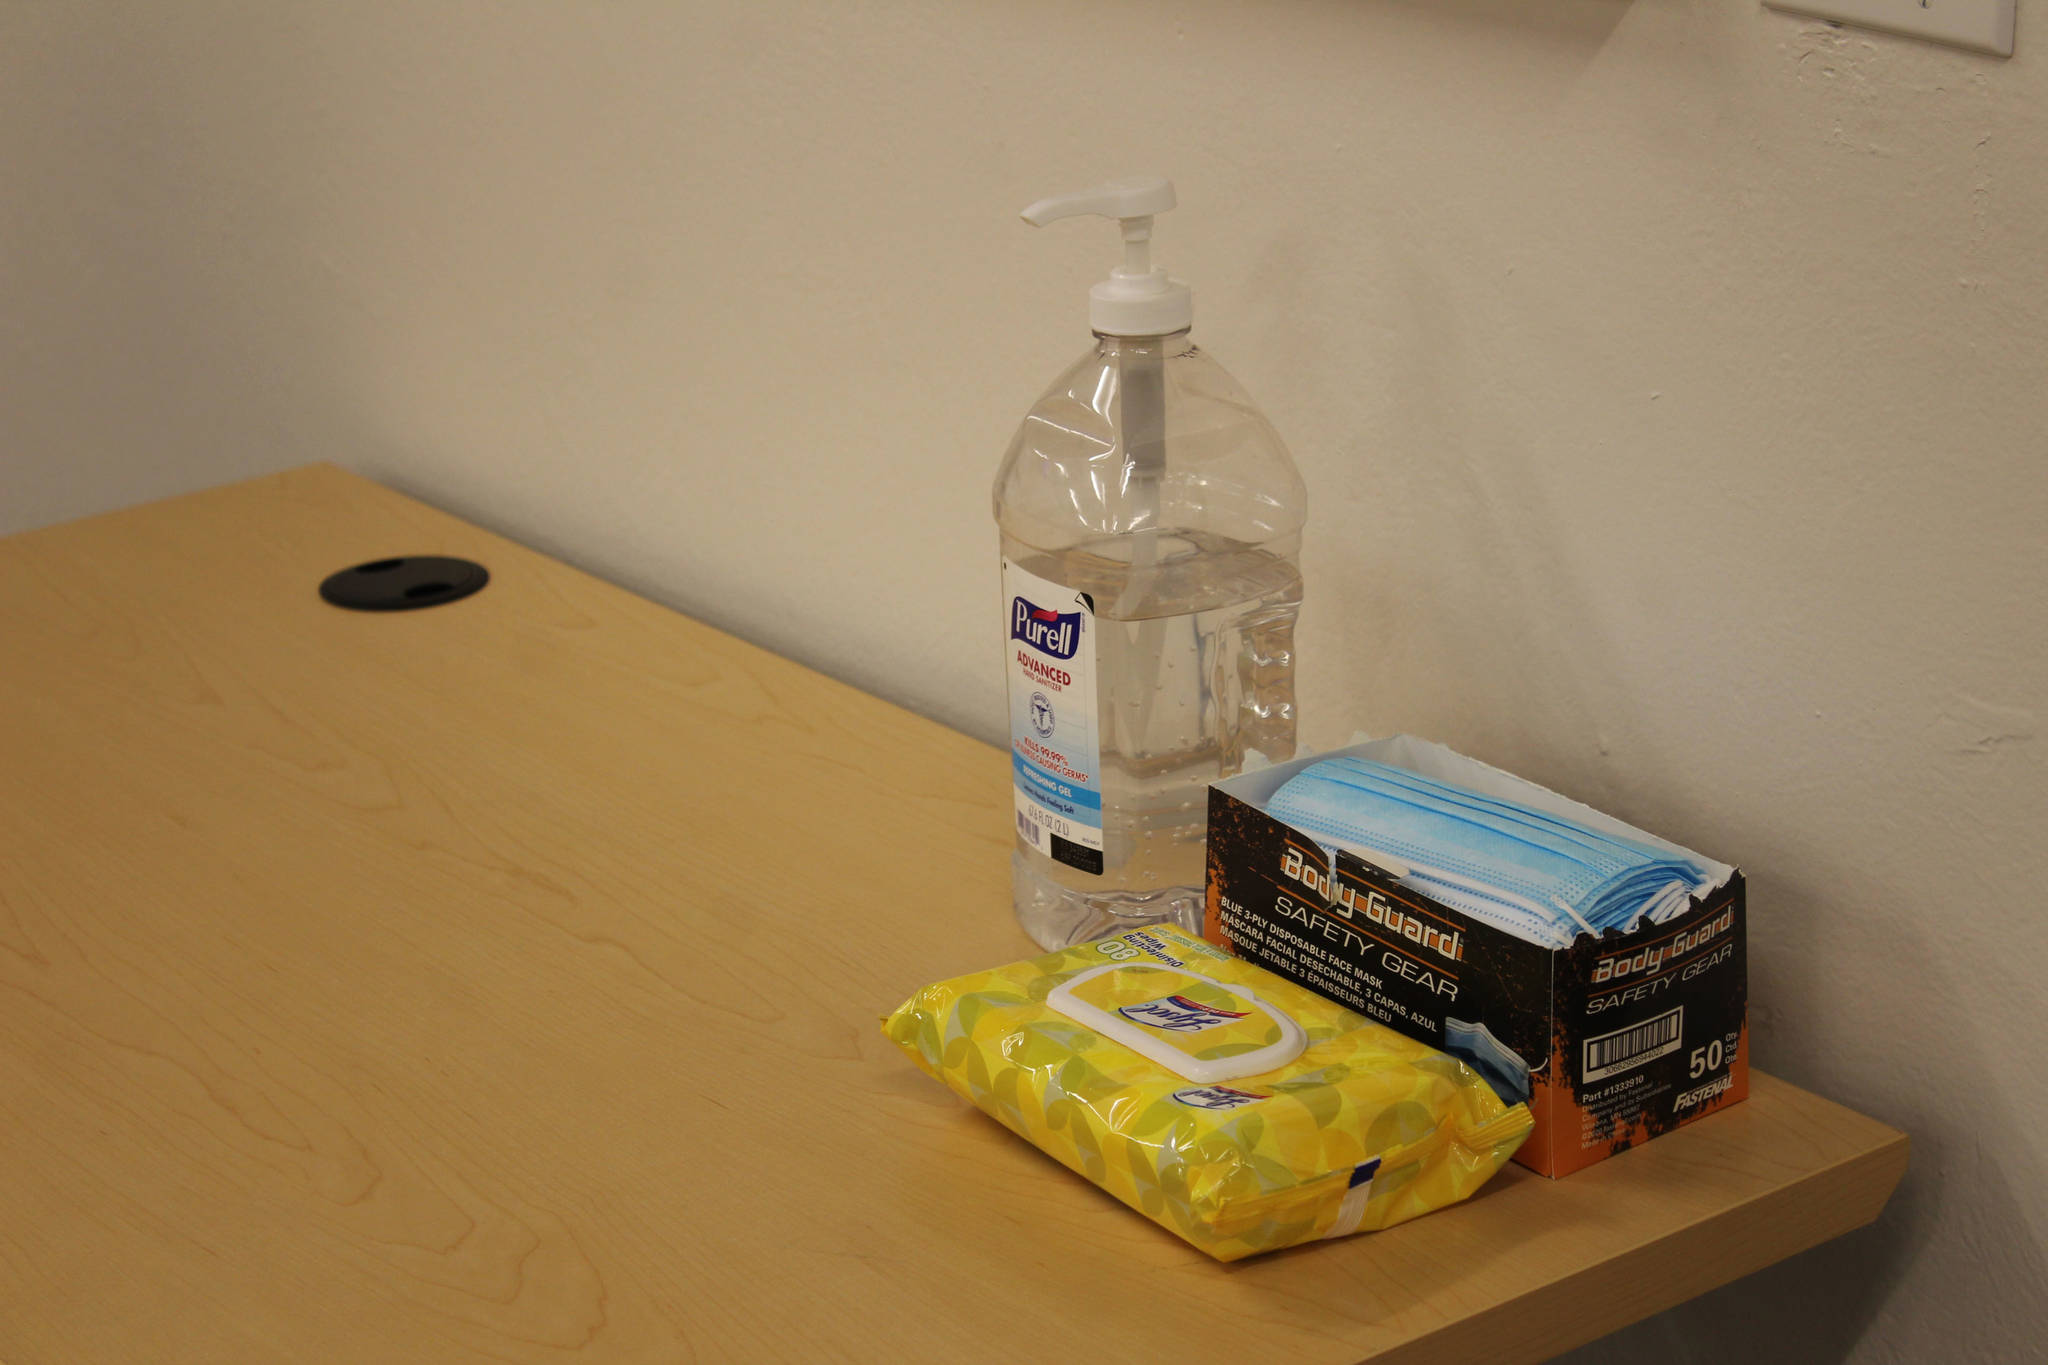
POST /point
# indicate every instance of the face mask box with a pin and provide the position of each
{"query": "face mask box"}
(1611, 1042)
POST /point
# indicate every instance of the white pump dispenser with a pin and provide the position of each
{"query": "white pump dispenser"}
(1137, 300)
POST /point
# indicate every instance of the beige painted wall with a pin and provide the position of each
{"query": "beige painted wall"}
(1666, 376)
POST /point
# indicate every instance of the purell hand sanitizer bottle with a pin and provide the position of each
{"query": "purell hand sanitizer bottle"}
(1151, 526)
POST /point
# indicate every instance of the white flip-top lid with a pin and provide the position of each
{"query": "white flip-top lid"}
(1136, 300)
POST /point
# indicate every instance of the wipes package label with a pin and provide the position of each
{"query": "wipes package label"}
(1053, 746)
(1182, 1011)
(1180, 1014)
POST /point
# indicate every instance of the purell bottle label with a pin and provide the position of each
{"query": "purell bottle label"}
(1054, 750)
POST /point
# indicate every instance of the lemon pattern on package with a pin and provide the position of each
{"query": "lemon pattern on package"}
(1224, 1103)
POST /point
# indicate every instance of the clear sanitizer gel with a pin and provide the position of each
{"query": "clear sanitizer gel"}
(1151, 527)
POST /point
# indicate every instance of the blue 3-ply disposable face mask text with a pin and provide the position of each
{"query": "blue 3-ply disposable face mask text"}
(1534, 874)
(1055, 756)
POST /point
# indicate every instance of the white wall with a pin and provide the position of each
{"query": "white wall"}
(1666, 376)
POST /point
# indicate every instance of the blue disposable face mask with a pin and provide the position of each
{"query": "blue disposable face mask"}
(1540, 876)
(1501, 1065)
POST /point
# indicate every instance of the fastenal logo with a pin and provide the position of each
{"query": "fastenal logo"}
(1215, 1097)
(1050, 632)
(1178, 1014)
(1692, 1099)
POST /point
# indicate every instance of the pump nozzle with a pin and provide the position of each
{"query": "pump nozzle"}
(1136, 299)
(1140, 197)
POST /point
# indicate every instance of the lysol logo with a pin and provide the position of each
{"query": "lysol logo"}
(1215, 1097)
(1052, 632)
(1178, 1014)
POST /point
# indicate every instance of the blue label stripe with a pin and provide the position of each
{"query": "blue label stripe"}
(1064, 797)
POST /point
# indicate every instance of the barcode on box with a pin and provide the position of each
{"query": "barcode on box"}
(1624, 1049)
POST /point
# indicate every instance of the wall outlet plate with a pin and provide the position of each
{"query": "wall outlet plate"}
(1985, 25)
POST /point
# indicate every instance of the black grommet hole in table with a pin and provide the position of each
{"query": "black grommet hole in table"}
(404, 583)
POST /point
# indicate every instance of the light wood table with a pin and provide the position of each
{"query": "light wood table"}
(499, 982)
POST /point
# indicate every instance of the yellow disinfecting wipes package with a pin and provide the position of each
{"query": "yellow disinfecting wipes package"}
(1222, 1102)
